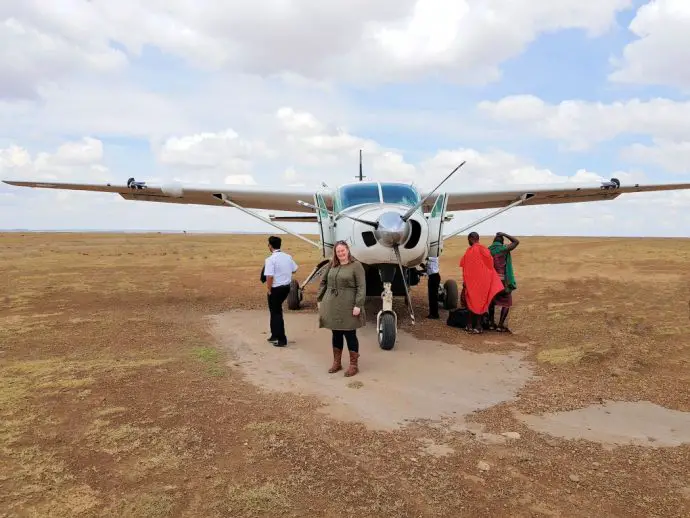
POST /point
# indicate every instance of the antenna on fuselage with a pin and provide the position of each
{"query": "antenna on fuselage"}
(361, 177)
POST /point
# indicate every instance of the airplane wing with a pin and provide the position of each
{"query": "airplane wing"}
(458, 201)
(285, 200)
(247, 196)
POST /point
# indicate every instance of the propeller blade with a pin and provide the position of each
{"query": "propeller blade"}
(407, 291)
(409, 213)
(370, 223)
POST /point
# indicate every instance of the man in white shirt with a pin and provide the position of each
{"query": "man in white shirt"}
(278, 269)
(434, 280)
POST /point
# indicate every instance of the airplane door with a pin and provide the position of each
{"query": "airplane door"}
(325, 228)
(436, 217)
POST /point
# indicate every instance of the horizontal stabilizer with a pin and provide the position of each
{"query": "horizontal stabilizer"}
(294, 219)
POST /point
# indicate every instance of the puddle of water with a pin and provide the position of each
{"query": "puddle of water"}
(418, 380)
(617, 423)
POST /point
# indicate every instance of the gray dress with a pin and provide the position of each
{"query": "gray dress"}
(341, 289)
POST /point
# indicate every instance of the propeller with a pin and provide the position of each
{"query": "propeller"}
(407, 291)
(366, 222)
(409, 213)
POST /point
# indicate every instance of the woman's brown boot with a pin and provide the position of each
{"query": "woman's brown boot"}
(337, 365)
(353, 368)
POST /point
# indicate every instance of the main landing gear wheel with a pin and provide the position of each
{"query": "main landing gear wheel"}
(386, 331)
(450, 298)
(294, 297)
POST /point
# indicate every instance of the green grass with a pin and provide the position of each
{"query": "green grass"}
(212, 357)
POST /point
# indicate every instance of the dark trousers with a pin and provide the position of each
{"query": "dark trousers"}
(432, 289)
(275, 308)
(351, 338)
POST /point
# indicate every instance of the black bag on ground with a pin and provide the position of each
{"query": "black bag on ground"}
(486, 322)
(458, 318)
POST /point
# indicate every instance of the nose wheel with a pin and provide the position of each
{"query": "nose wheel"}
(387, 320)
(386, 325)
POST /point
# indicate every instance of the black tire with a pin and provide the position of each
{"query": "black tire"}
(293, 299)
(450, 301)
(387, 332)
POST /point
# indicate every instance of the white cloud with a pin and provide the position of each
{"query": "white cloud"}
(298, 122)
(83, 152)
(660, 54)
(582, 124)
(304, 149)
(240, 179)
(33, 51)
(354, 40)
(224, 150)
(497, 169)
(72, 161)
(468, 40)
(111, 108)
(674, 157)
(123, 108)
(298, 145)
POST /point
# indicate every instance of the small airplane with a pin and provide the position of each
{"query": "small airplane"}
(391, 227)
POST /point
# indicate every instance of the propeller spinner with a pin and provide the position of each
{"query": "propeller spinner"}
(392, 230)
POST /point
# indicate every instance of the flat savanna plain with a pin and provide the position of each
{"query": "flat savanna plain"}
(115, 400)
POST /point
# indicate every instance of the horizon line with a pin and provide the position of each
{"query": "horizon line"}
(253, 233)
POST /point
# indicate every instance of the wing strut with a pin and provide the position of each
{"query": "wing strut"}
(224, 199)
(523, 198)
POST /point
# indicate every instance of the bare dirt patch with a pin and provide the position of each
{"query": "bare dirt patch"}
(418, 380)
(617, 423)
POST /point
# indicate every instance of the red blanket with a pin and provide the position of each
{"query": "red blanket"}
(482, 282)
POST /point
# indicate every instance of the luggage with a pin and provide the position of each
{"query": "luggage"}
(485, 322)
(461, 318)
(458, 318)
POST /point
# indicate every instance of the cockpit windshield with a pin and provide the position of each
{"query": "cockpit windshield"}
(361, 193)
(356, 194)
(399, 193)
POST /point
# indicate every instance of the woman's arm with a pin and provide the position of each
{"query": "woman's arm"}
(361, 284)
(323, 284)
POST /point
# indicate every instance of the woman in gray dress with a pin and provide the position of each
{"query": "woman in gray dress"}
(341, 298)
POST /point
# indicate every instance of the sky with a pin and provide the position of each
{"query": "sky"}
(287, 91)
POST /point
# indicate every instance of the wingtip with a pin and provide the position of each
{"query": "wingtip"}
(19, 183)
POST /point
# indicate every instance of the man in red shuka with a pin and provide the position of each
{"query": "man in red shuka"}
(481, 282)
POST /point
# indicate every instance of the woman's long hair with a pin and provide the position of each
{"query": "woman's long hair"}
(335, 261)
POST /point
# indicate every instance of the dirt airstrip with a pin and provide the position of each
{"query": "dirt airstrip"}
(135, 380)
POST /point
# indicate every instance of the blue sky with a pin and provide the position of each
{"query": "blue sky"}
(415, 106)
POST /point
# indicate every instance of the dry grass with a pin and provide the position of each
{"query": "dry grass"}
(114, 401)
